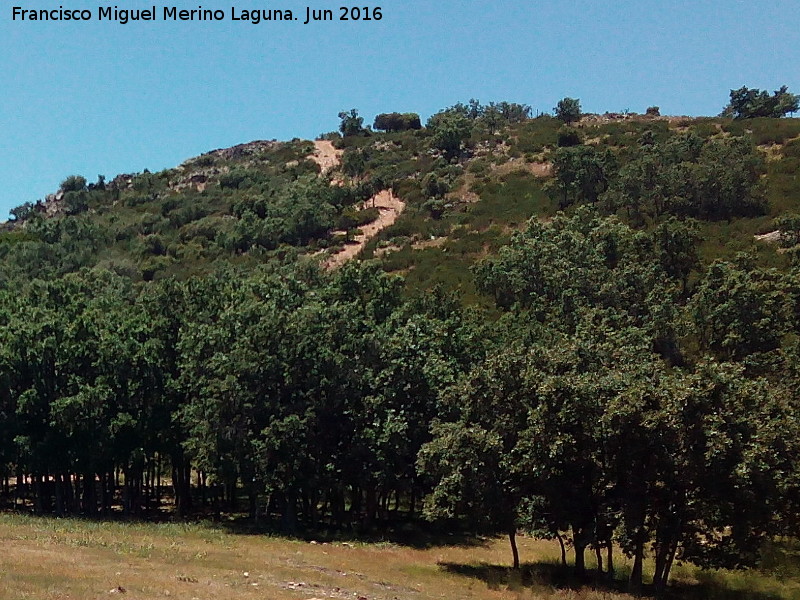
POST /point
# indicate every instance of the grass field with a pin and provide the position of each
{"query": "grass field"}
(45, 558)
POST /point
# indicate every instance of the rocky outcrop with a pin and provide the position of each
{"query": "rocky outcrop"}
(773, 237)
(197, 178)
(123, 181)
(238, 152)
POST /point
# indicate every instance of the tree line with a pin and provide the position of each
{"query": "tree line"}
(606, 404)
(308, 395)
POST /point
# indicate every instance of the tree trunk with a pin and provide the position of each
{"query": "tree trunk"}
(355, 503)
(109, 491)
(610, 561)
(217, 501)
(200, 486)
(383, 506)
(88, 498)
(59, 493)
(635, 582)
(19, 489)
(580, 559)
(252, 499)
(41, 494)
(664, 560)
(233, 504)
(158, 480)
(668, 566)
(371, 505)
(147, 485)
(181, 482)
(579, 540)
(660, 563)
(599, 558)
(290, 512)
(563, 549)
(72, 492)
(512, 537)
(103, 493)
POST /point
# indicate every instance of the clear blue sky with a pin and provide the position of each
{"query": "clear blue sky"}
(91, 98)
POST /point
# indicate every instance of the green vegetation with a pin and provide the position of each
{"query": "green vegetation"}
(749, 103)
(569, 331)
(391, 122)
(449, 129)
(568, 110)
(351, 123)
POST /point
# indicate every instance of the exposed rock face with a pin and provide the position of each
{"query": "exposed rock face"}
(492, 148)
(198, 178)
(240, 151)
(773, 237)
(613, 117)
(121, 182)
(52, 205)
(199, 172)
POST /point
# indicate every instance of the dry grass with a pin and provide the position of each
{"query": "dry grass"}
(540, 169)
(51, 559)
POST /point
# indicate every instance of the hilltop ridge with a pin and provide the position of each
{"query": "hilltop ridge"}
(265, 200)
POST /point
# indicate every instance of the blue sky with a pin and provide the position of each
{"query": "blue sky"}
(92, 98)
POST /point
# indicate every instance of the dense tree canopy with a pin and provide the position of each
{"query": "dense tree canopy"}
(351, 123)
(684, 176)
(449, 130)
(618, 442)
(749, 103)
(397, 122)
(568, 110)
(610, 404)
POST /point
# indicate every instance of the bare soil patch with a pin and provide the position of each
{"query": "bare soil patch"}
(389, 207)
(326, 156)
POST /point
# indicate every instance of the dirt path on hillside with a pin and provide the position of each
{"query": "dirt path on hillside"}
(326, 156)
(389, 207)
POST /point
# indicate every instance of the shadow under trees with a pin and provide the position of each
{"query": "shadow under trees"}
(542, 574)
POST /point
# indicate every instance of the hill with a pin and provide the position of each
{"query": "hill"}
(265, 201)
(583, 329)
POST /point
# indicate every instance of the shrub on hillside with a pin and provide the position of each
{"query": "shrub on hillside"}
(397, 122)
(73, 183)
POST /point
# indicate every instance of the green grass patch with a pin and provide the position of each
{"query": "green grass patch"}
(724, 239)
(509, 201)
(535, 135)
(627, 133)
(783, 181)
(764, 130)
